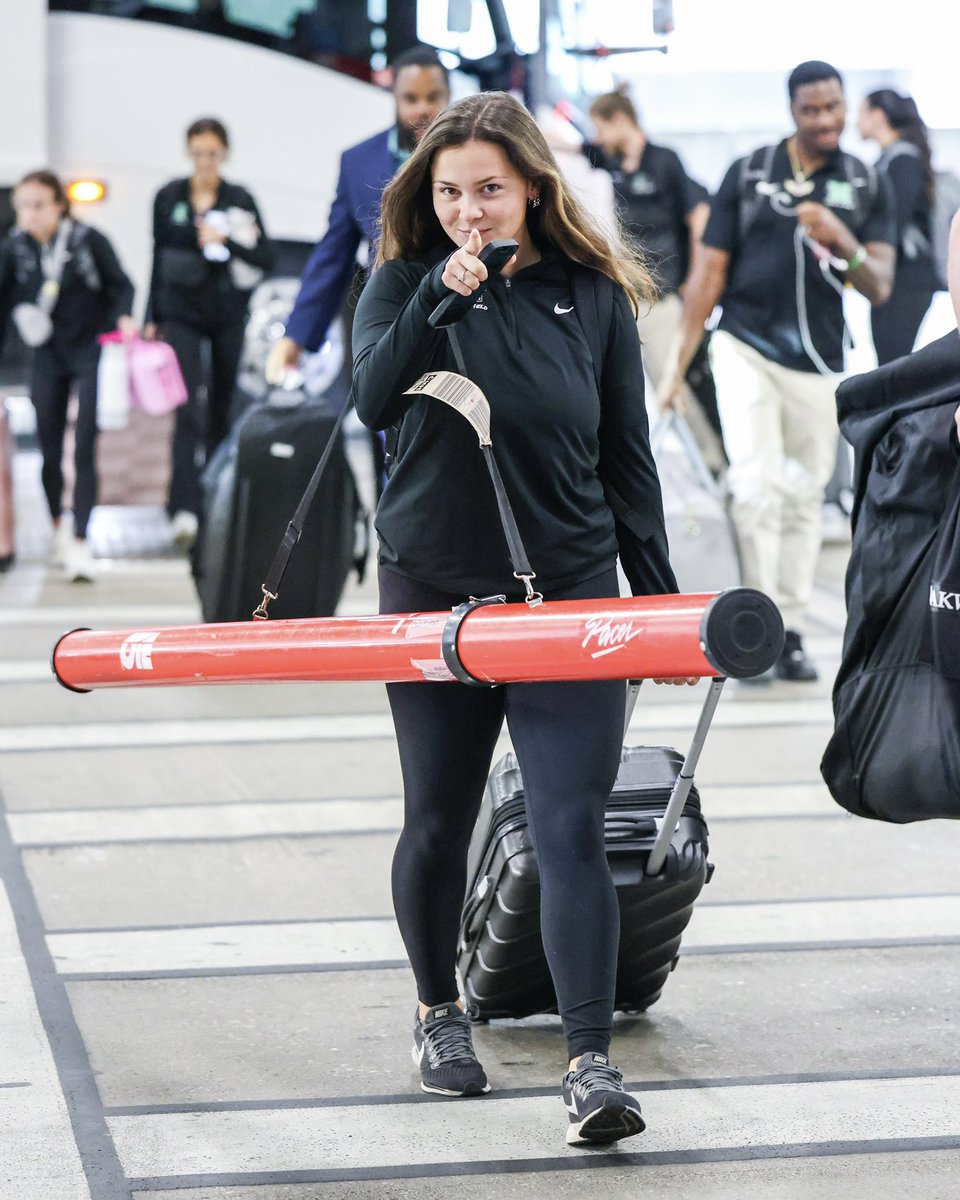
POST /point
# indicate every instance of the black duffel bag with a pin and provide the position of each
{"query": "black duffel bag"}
(895, 751)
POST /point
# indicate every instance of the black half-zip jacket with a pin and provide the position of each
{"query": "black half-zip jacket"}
(556, 444)
(215, 299)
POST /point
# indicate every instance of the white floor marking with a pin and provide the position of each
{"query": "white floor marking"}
(40, 1161)
(512, 1129)
(207, 822)
(133, 616)
(344, 942)
(213, 821)
(673, 717)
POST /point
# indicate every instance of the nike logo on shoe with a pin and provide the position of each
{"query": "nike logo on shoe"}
(560, 311)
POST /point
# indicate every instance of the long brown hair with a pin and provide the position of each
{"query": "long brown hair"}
(409, 228)
(904, 119)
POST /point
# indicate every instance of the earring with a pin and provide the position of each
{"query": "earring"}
(534, 201)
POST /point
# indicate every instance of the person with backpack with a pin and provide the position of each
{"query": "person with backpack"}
(62, 285)
(790, 226)
(893, 122)
(210, 250)
(664, 211)
(553, 344)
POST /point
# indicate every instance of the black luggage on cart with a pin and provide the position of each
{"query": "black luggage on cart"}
(251, 485)
(501, 961)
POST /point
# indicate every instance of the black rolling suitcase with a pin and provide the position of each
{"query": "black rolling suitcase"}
(656, 842)
(251, 485)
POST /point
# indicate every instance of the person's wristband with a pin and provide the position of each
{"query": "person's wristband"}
(859, 258)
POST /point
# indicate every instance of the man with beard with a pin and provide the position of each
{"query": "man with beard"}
(421, 88)
(791, 225)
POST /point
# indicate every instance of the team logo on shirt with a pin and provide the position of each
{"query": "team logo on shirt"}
(560, 309)
(480, 304)
(839, 193)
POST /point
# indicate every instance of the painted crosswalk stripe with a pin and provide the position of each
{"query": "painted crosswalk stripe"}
(298, 818)
(361, 726)
(204, 822)
(42, 1161)
(346, 943)
(362, 1142)
(135, 616)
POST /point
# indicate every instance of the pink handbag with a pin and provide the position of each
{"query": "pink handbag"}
(156, 382)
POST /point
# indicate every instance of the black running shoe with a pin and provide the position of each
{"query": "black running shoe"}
(600, 1110)
(793, 663)
(443, 1050)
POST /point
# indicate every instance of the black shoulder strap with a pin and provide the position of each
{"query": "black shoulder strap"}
(755, 169)
(862, 177)
(593, 303)
(271, 585)
(896, 150)
(511, 531)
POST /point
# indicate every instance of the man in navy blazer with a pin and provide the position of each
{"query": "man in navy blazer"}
(421, 88)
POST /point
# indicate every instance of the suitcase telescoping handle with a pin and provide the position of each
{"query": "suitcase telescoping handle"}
(684, 781)
(672, 420)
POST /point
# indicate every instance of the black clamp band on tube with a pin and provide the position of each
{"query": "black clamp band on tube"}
(451, 634)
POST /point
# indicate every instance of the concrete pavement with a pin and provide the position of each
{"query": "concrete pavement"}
(204, 994)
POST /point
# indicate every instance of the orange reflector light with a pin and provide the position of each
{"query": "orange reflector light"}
(86, 191)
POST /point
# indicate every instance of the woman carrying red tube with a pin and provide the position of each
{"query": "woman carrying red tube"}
(483, 172)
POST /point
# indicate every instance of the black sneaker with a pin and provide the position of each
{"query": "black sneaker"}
(793, 664)
(600, 1110)
(443, 1050)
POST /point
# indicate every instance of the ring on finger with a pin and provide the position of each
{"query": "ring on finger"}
(463, 275)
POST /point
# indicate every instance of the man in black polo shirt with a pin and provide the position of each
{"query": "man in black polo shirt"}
(665, 212)
(790, 225)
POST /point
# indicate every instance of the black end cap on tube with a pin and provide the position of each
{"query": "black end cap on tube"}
(53, 662)
(741, 633)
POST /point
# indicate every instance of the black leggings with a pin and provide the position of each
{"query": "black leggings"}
(199, 431)
(567, 737)
(895, 324)
(50, 384)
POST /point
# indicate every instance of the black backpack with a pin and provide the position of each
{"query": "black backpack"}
(756, 172)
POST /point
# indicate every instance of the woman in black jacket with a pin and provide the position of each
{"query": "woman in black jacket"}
(63, 285)
(210, 251)
(481, 172)
(893, 122)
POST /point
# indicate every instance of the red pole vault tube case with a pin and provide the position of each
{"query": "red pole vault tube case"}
(735, 633)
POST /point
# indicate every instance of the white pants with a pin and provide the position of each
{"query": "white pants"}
(659, 329)
(780, 432)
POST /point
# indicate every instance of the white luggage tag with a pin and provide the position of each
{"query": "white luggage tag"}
(461, 394)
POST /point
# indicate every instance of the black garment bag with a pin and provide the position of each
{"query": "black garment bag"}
(895, 751)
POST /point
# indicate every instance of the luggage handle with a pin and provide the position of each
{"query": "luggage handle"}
(621, 828)
(673, 420)
(684, 780)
